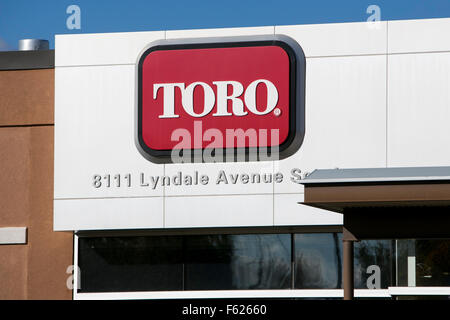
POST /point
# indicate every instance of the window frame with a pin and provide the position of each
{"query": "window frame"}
(390, 292)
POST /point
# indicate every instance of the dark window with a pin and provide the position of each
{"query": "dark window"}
(424, 262)
(374, 263)
(213, 262)
(318, 261)
(433, 263)
(254, 261)
(238, 262)
(130, 264)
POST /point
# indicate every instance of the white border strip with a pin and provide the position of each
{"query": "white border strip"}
(75, 267)
(239, 294)
(242, 294)
(13, 235)
(412, 291)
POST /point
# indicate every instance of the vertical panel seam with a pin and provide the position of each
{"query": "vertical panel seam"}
(273, 173)
(164, 173)
(387, 93)
(273, 193)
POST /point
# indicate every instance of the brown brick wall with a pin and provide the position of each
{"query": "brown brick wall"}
(36, 270)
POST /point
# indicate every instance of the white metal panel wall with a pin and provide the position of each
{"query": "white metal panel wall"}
(412, 36)
(339, 39)
(345, 116)
(369, 103)
(419, 109)
(102, 48)
(419, 93)
(94, 132)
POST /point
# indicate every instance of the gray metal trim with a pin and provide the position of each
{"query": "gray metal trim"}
(210, 231)
(396, 174)
(27, 60)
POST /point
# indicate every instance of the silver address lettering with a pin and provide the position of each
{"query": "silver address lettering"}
(144, 180)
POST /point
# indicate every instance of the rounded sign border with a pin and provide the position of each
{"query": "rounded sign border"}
(297, 74)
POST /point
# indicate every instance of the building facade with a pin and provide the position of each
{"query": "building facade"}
(375, 96)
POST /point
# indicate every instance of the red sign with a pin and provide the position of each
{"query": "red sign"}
(235, 95)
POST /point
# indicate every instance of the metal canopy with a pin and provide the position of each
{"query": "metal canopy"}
(384, 202)
(379, 203)
(341, 189)
(398, 174)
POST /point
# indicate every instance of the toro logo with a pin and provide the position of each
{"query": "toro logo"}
(220, 99)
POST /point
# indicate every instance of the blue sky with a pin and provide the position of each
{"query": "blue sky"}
(44, 18)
